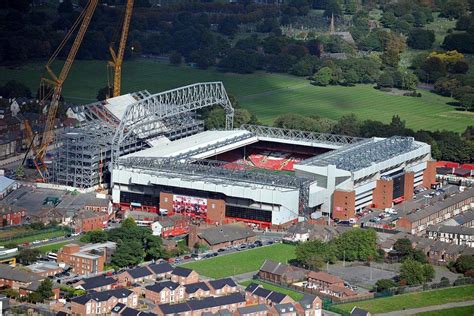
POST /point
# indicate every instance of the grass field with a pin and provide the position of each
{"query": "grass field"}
(413, 300)
(52, 247)
(242, 262)
(271, 287)
(455, 311)
(39, 236)
(266, 95)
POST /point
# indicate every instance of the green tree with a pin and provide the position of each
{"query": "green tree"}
(347, 125)
(314, 254)
(128, 253)
(403, 246)
(95, 236)
(323, 76)
(44, 292)
(464, 263)
(129, 223)
(420, 38)
(454, 9)
(414, 272)
(428, 272)
(154, 248)
(28, 255)
(357, 244)
(384, 284)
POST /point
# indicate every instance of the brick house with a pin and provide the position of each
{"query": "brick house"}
(135, 275)
(256, 294)
(197, 290)
(253, 310)
(281, 273)
(229, 303)
(89, 220)
(98, 283)
(221, 236)
(184, 276)
(322, 280)
(11, 215)
(45, 269)
(86, 259)
(100, 303)
(165, 292)
(161, 270)
(223, 286)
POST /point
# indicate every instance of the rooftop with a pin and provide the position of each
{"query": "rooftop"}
(226, 233)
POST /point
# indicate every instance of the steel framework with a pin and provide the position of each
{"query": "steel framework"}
(220, 173)
(143, 116)
(363, 154)
(292, 134)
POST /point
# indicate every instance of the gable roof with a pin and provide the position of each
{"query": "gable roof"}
(277, 268)
(194, 287)
(284, 308)
(260, 291)
(276, 297)
(95, 282)
(325, 277)
(356, 311)
(226, 233)
(207, 302)
(9, 273)
(252, 309)
(139, 272)
(102, 296)
(160, 268)
(159, 286)
(251, 287)
(182, 272)
(220, 283)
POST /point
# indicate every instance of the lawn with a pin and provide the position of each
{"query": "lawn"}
(242, 262)
(455, 311)
(39, 236)
(413, 300)
(266, 95)
(52, 247)
(271, 287)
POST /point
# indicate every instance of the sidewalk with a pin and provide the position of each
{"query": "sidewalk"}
(427, 309)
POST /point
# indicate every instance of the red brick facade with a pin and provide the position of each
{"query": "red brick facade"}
(409, 186)
(343, 204)
(429, 174)
(91, 221)
(383, 194)
(11, 215)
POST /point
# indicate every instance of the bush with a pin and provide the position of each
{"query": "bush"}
(421, 39)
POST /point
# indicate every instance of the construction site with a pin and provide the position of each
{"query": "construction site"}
(151, 152)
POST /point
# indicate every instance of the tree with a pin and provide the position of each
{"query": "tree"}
(323, 76)
(95, 236)
(384, 284)
(434, 69)
(239, 61)
(129, 223)
(103, 94)
(357, 244)
(467, 101)
(129, 253)
(414, 272)
(14, 89)
(228, 26)
(175, 58)
(446, 86)
(215, 118)
(449, 57)
(44, 292)
(155, 249)
(454, 9)
(420, 38)
(28, 255)
(314, 254)
(386, 80)
(403, 246)
(347, 125)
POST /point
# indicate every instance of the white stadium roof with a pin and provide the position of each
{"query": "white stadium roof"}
(118, 105)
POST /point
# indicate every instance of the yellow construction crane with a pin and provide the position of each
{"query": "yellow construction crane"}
(51, 86)
(115, 65)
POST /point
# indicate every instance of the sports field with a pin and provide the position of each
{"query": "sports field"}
(242, 262)
(266, 95)
(413, 300)
(271, 287)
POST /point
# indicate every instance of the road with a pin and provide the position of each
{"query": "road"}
(414, 311)
(57, 240)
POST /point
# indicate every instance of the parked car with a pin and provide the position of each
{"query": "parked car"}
(258, 243)
(221, 250)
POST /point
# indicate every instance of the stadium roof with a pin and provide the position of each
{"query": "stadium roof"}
(200, 145)
(365, 153)
(118, 105)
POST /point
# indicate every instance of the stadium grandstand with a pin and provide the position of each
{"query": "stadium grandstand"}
(162, 160)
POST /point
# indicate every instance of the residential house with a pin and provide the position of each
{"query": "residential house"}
(322, 280)
(98, 283)
(281, 273)
(458, 235)
(184, 276)
(253, 310)
(223, 286)
(101, 303)
(286, 309)
(135, 275)
(256, 294)
(221, 236)
(197, 290)
(206, 305)
(86, 221)
(161, 270)
(165, 292)
(122, 310)
(465, 219)
(356, 311)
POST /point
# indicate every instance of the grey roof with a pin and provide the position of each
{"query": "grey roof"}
(96, 282)
(439, 246)
(260, 291)
(356, 311)
(277, 268)
(102, 296)
(276, 297)
(252, 309)
(159, 286)
(307, 301)
(440, 205)
(207, 302)
(182, 272)
(194, 287)
(9, 273)
(465, 217)
(5, 183)
(139, 272)
(455, 249)
(461, 230)
(171, 309)
(160, 268)
(251, 287)
(220, 283)
(284, 308)
(363, 154)
(226, 233)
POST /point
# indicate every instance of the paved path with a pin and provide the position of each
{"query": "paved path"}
(427, 309)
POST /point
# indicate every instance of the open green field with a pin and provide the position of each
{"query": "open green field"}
(266, 95)
(271, 287)
(52, 247)
(242, 262)
(455, 311)
(413, 300)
